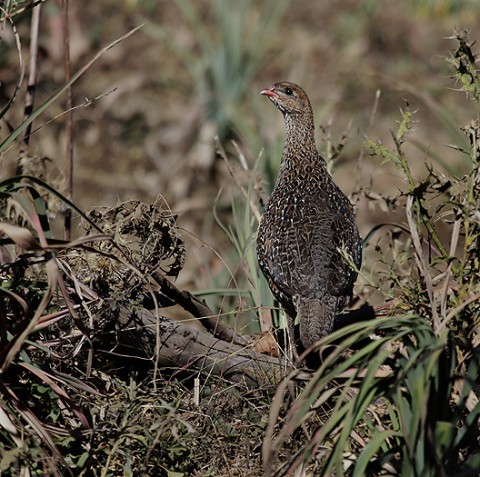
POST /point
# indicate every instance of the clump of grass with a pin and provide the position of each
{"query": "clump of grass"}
(225, 61)
(399, 395)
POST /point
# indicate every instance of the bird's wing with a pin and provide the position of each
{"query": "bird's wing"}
(274, 262)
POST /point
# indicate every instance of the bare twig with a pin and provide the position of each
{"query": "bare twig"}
(198, 309)
(221, 152)
(358, 169)
(21, 63)
(13, 136)
(32, 74)
(19, 11)
(448, 275)
(86, 103)
(421, 262)
(69, 125)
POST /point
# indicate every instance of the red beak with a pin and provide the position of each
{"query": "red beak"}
(270, 92)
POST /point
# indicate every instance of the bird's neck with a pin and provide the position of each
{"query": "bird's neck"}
(299, 147)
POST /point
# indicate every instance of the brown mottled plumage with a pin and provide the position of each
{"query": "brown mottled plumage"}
(307, 220)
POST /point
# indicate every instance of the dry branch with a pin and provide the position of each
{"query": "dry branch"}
(198, 309)
(183, 346)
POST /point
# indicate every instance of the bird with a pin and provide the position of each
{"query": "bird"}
(308, 244)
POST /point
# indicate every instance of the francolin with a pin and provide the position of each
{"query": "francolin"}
(307, 229)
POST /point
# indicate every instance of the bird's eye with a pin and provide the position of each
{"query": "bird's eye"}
(288, 91)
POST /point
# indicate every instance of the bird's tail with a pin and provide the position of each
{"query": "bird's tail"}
(316, 319)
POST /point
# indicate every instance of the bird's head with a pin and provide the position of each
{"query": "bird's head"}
(289, 98)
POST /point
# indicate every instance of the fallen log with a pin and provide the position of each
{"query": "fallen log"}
(176, 344)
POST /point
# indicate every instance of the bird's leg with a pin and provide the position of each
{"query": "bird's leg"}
(293, 344)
